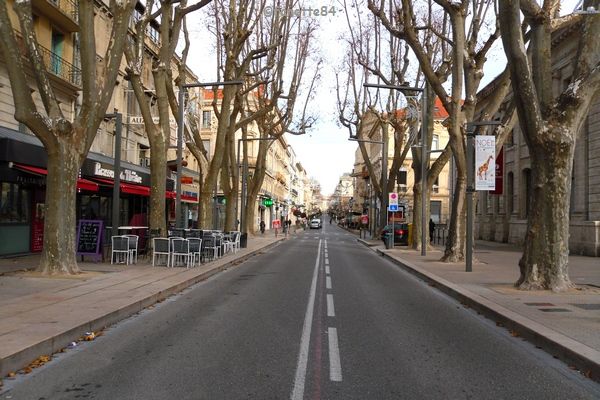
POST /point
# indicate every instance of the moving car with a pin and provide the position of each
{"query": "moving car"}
(400, 233)
(315, 223)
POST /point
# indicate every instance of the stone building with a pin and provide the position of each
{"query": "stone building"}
(502, 217)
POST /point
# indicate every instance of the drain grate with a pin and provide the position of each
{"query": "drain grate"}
(540, 304)
(554, 310)
(587, 306)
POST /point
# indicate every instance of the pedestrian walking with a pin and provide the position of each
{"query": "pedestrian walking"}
(431, 230)
(262, 227)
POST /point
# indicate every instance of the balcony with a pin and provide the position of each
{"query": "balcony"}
(55, 64)
(64, 13)
(60, 67)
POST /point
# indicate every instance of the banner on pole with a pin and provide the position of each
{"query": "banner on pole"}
(485, 162)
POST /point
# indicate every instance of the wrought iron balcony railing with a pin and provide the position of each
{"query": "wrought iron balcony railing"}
(60, 67)
(68, 7)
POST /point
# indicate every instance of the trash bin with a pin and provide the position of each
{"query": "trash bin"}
(244, 240)
(389, 242)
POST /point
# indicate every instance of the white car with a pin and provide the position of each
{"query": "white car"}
(315, 223)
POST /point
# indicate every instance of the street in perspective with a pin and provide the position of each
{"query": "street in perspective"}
(279, 199)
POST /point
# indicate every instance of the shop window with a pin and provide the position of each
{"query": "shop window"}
(14, 203)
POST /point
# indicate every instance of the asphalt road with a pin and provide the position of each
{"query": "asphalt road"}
(317, 317)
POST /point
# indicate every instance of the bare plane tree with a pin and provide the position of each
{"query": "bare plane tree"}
(66, 142)
(159, 133)
(469, 43)
(550, 124)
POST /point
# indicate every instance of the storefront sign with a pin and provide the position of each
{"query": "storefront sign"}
(126, 174)
(485, 166)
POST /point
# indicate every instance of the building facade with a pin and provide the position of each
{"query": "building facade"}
(502, 215)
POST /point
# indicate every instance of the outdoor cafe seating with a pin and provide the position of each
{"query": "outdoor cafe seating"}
(124, 249)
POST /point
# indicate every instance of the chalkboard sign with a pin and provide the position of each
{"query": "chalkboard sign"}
(89, 237)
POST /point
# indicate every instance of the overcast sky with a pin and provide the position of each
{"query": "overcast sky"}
(325, 151)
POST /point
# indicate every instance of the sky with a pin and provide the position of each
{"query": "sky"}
(324, 151)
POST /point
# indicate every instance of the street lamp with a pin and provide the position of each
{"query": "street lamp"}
(117, 171)
(244, 229)
(471, 186)
(180, 123)
(407, 91)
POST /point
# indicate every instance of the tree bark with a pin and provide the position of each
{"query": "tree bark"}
(58, 256)
(544, 264)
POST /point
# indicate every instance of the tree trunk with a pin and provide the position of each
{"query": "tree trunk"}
(158, 184)
(544, 264)
(58, 254)
(205, 210)
(456, 241)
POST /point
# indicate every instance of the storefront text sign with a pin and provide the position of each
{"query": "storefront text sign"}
(126, 175)
(485, 162)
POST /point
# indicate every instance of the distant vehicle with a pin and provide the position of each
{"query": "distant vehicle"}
(400, 233)
(315, 223)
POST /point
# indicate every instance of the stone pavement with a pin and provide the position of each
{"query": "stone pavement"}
(567, 325)
(42, 315)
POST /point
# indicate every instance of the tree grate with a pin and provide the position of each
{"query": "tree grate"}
(554, 310)
(589, 307)
(540, 304)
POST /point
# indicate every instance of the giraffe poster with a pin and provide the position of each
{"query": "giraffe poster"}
(485, 162)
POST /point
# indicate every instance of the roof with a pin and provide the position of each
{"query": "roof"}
(439, 112)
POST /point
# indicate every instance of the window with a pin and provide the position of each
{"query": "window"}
(401, 179)
(14, 203)
(206, 119)
(435, 142)
(144, 155)
(206, 144)
(527, 192)
(436, 185)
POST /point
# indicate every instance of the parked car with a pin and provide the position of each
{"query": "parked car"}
(315, 223)
(400, 233)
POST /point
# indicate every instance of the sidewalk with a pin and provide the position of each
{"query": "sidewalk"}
(41, 315)
(566, 325)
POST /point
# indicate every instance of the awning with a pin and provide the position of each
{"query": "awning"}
(128, 188)
(82, 184)
(189, 198)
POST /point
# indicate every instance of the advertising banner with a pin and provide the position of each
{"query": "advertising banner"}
(485, 162)
(499, 172)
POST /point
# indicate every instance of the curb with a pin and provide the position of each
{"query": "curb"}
(571, 352)
(22, 358)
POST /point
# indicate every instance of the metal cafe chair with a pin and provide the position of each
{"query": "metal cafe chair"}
(209, 247)
(180, 251)
(133, 247)
(195, 250)
(160, 248)
(120, 247)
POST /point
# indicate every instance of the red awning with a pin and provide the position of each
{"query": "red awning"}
(170, 195)
(128, 188)
(188, 198)
(82, 184)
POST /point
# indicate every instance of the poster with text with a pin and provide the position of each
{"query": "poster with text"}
(485, 162)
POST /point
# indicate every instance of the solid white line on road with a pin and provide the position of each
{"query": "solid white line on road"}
(300, 378)
(327, 270)
(328, 282)
(326, 261)
(330, 308)
(335, 365)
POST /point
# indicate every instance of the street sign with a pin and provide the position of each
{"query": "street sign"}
(393, 207)
(393, 198)
(268, 202)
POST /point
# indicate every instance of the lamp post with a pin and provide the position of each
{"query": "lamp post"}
(471, 187)
(117, 171)
(180, 124)
(406, 90)
(244, 228)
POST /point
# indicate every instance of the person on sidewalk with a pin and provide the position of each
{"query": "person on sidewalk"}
(431, 230)
(262, 227)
